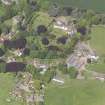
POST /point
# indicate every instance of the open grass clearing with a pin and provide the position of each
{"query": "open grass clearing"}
(97, 67)
(97, 41)
(6, 85)
(96, 5)
(41, 18)
(76, 92)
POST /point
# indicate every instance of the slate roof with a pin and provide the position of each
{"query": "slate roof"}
(15, 67)
(16, 44)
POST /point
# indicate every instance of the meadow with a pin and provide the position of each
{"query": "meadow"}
(97, 43)
(96, 5)
(2, 11)
(98, 39)
(6, 86)
(76, 92)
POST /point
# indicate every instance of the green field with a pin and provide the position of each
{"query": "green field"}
(98, 39)
(97, 43)
(2, 11)
(96, 5)
(6, 85)
(100, 67)
(41, 18)
(76, 92)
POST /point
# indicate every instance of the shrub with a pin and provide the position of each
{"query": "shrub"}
(62, 40)
(82, 30)
(45, 41)
(72, 72)
(2, 67)
(41, 29)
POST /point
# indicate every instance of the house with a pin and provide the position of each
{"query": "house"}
(93, 58)
(15, 66)
(4, 37)
(43, 67)
(19, 43)
(63, 24)
(7, 2)
(57, 80)
(76, 61)
(10, 59)
(17, 19)
(81, 54)
(18, 52)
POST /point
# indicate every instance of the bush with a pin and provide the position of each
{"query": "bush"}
(63, 68)
(72, 72)
(2, 67)
(48, 76)
(41, 29)
(62, 40)
(45, 41)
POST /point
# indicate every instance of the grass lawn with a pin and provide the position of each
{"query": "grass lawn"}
(2, 11)
(97, 42)
(41, 18)
(6, 85)
(99, 67)
(76, 92)
(98, 39)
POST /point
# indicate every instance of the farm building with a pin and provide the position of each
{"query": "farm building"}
(81, 55)
(8, 2)
(15, 67)
(63, 24)
(16, 44)
(41, 29)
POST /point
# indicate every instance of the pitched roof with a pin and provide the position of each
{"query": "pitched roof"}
(16, 44)
(15, 66)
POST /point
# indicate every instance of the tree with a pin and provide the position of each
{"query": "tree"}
(62, 40)
(45, 41)
(1, 52)
(72, 72)
(63, 68)
(2, 67)
(89, 14)
(49, 74)
(54, 10)
(82, 23)
(41, 29)
(6, 29)
(34, 71)
(95, 20)
(37, 84)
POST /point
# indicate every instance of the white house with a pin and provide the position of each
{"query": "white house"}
(62, 23)
(57, 80)
(9, 2)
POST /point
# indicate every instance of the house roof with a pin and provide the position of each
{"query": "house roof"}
(16, 44)
(61, 20)
(15, 66)
(7, 2)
